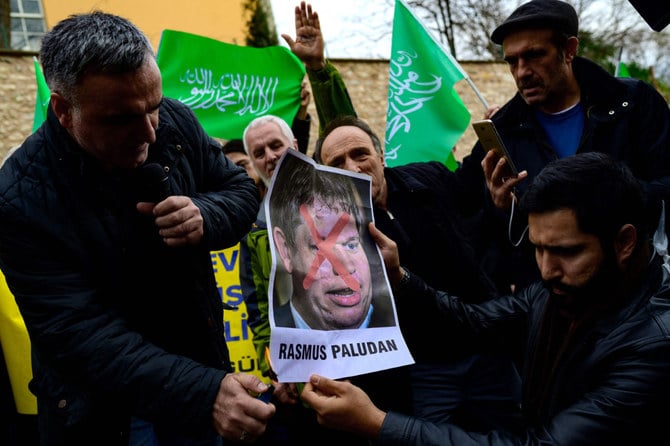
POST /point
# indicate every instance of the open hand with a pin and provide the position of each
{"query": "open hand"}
(308, 45)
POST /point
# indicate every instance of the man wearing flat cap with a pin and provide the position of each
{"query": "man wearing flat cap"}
(565, 104)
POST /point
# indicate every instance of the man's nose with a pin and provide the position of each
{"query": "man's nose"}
(273, 155)
(341, 263)
(351, 165)
(549, 267)
(522, 69)
(149, 126)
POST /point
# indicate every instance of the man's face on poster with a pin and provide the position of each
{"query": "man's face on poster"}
(330, 269)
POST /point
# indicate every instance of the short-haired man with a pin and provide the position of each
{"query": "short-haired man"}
(416, 206)
(596, 329)
(116, 287)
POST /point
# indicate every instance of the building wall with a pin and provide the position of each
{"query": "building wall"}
(366, 80)
(17, 99)
(219, 19)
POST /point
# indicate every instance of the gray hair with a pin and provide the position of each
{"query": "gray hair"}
(262, 120)
(96, 42)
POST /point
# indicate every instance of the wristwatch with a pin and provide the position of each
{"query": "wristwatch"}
(404, 280)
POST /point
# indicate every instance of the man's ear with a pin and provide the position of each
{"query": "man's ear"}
(282, 249)
(571, 49)
(625, 244)
(62, 108)
(383, 159)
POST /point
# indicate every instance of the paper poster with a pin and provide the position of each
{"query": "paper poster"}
(332, 309)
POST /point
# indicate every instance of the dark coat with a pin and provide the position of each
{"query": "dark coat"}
(610, 388)
(119, 323)
(434, 242)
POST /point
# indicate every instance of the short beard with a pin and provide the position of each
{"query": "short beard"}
(600, 289)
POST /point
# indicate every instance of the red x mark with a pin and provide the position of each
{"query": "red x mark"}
(326, 250)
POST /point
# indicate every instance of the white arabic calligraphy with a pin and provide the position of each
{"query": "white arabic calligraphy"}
(407, 94)
(240, 92)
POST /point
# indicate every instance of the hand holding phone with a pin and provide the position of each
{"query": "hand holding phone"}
(490, 140)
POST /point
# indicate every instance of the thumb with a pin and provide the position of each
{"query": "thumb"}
(380, 238)
(145, 207)
(289, 40)
(251, 383)
(324, 385)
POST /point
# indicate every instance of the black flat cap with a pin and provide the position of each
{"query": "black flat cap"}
(550, 14)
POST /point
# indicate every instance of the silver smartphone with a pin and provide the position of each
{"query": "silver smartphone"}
(490, 139)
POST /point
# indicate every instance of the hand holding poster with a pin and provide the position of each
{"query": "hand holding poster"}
(332, 309)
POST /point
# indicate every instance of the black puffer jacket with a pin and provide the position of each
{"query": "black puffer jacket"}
(625, 118)
(611, 386)
(119, 323)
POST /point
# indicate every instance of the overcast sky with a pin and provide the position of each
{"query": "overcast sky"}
(351, 28)
(361, 29)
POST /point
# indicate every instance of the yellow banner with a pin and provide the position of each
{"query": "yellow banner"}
(16, 348)
(226, 265)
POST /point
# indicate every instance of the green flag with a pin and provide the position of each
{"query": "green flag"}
(42, 97)
(425, 115)
(622, 70)
(228, 85)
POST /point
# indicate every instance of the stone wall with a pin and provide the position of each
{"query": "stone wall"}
(17, 98)
(366, 81)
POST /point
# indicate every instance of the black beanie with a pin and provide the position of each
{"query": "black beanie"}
(550, 14)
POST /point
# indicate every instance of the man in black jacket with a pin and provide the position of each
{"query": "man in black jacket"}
(597, 328)
(108, 215)
(565, 104)
(416, 206)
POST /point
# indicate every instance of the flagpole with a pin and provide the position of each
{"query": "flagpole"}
(479, 95)
(618, 62)
(449, 55)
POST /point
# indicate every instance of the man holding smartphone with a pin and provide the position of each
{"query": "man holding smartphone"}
(565, 104)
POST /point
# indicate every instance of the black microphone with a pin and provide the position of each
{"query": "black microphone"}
(155, 182)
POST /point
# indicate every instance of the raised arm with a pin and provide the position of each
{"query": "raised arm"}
(331, 97)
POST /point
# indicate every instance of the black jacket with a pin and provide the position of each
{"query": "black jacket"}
(119, 323)
(610, 388)
(625, 118)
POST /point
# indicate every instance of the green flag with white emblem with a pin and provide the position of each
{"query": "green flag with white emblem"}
(425, 115)
(228, 85)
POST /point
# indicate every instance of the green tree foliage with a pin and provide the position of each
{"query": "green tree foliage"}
(597, 49)
(605, 54)
(260, 33)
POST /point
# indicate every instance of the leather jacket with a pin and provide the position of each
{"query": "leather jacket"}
(611, 386)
